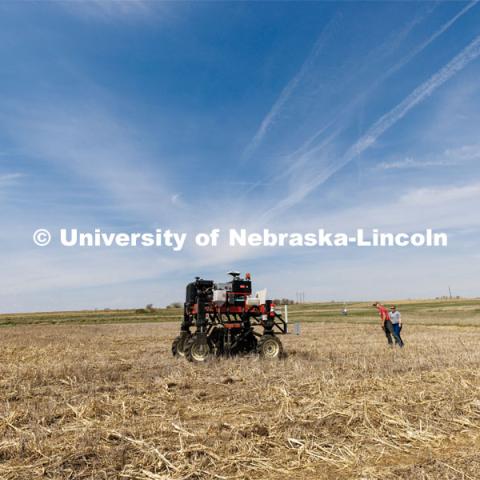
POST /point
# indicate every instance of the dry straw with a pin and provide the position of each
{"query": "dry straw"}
(109, 402)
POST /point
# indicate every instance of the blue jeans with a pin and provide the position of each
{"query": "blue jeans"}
(396, 330)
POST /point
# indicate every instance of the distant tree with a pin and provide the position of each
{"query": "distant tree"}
(175, 305)
(282, 301)
(147, 309)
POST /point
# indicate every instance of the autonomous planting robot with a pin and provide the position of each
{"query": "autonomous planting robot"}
(226, 320)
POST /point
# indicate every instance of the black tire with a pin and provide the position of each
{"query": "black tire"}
(175, 343)
(198, 349)
(270, 346)
(249, 343)
(178, 345)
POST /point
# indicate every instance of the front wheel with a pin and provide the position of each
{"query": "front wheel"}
(198, 349)
(269, 346)
(178, 345)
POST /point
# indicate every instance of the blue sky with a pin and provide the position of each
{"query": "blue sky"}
(128, 116)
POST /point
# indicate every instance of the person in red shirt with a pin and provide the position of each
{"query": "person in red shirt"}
(387, 325)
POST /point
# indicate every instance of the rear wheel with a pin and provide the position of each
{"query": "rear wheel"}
(269, 346)
(198, 349)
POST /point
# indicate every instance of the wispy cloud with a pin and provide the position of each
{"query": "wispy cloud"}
(109, 10)
(449, 158)
(291, 86)
(441, 196)
(382, 51)
(8, 178)
(469, 53)
(410, 162)
(405, 209)
(309, 148)
(458, 63)
(92, 146)
(397, 66)
(7, 181)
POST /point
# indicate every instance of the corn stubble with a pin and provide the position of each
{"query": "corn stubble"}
(109, 401)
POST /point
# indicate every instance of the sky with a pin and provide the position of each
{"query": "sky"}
(292, 116)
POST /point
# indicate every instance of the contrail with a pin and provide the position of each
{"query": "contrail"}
(427, 42)
(471, 52)
(305, 150)
(290, 87)
(458, 63)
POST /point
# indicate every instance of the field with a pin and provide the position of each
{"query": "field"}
(84, 398)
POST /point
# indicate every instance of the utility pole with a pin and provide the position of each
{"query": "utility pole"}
(300, 296)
